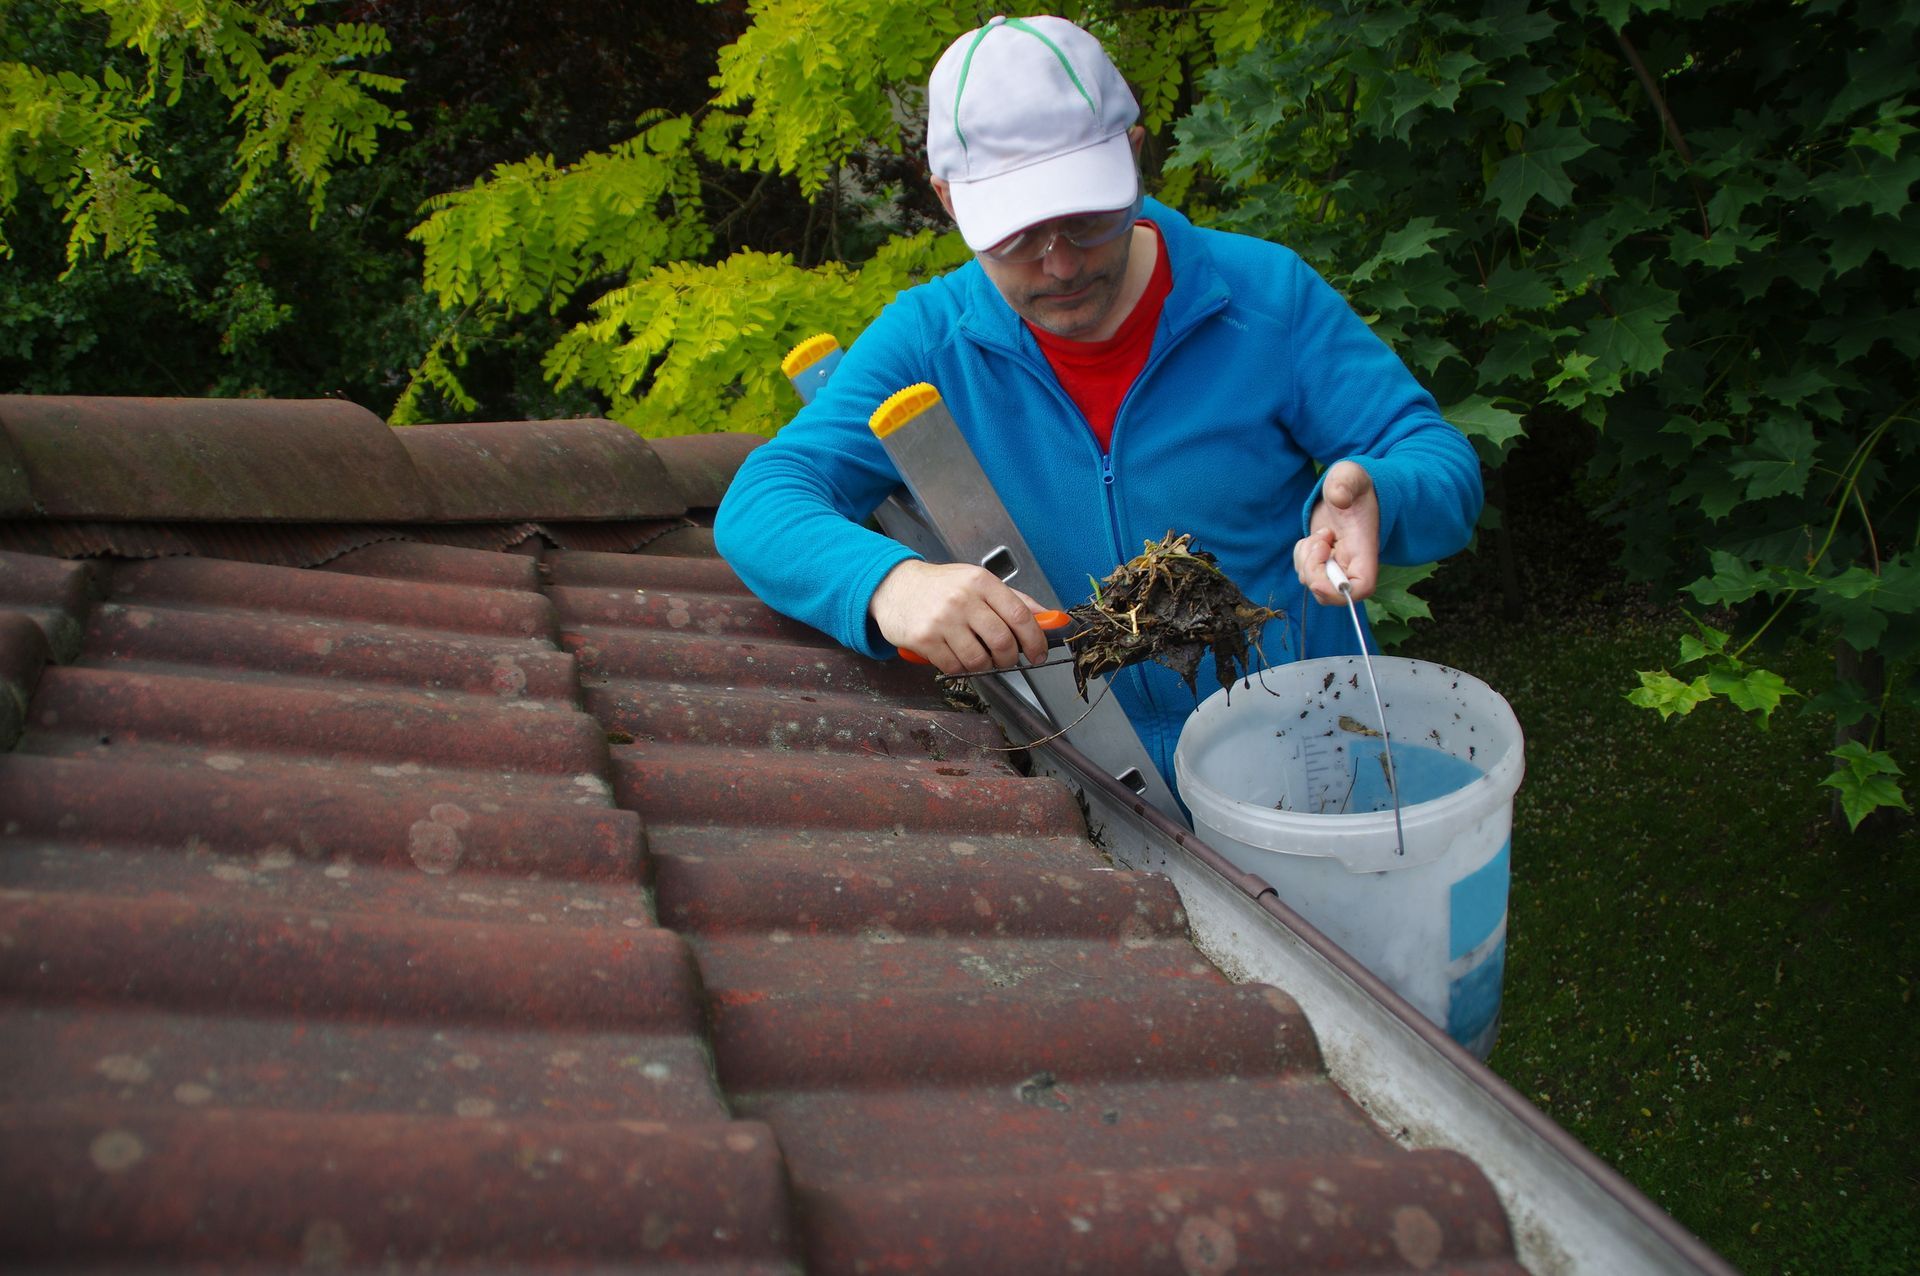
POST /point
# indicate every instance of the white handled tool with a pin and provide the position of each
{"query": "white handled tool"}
(1345, 586)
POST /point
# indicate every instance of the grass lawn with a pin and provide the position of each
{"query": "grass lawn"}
(1708, 983)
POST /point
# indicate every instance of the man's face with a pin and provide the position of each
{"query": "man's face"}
(1071, 292)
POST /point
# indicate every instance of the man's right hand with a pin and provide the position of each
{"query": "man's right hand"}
(962, 618)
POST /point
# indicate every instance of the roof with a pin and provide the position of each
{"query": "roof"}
(417, 848)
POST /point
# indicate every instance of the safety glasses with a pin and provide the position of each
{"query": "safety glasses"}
(1087, 230)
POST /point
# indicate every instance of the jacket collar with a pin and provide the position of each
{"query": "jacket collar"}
(1198, 288)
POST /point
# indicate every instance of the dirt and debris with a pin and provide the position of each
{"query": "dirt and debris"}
(1170, 603)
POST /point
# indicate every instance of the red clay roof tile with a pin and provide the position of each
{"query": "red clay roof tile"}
(210, 460)
(491, 472)
(559, 907)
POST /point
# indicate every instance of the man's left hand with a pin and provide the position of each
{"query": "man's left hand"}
(1345, 526)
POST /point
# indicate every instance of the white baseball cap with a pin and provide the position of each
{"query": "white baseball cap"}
(1027, 121)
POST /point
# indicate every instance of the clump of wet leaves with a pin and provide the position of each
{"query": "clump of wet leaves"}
(1169, 603)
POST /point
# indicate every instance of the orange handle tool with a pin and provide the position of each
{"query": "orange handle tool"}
(1056, 624)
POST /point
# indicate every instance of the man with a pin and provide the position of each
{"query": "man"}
(1119, 373)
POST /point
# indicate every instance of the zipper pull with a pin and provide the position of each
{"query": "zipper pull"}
(1106, 468)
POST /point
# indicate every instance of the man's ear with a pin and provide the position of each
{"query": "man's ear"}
(1136, 135)
(939, 185)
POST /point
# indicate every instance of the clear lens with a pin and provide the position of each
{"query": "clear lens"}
(1088, 230)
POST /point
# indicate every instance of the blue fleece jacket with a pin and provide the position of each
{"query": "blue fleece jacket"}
(1259, 374)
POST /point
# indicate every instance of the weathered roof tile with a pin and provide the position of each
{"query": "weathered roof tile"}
(331, 906)
(203, 460)
(490, 472)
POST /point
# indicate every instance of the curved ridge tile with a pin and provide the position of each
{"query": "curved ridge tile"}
(207, 460)
(702, 465)
(496, 471)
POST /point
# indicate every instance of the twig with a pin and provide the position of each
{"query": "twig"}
(1045, 739)
(1671, 125)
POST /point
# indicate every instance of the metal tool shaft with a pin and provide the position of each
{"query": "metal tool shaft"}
(1345, 586)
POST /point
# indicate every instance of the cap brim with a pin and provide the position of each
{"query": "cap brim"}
(1092, 179)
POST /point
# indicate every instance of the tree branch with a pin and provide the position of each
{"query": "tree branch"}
(1671, 125)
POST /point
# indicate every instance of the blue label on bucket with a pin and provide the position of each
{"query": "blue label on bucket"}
(1473, 1000)
(1479, 903)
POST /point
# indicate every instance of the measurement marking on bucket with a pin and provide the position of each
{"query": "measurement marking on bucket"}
(1321, 771)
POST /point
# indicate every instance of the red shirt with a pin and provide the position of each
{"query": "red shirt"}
(1097, 374)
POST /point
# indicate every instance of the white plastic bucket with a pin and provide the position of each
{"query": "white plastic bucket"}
(1283, 777)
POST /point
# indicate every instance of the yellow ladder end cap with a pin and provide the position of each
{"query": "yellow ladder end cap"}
(808, 353)
(901, 407)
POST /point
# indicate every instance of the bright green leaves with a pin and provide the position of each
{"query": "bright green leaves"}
(1661, 691)
(1750, 689)
(1866, 780)
(527, 236)
(301, 104)
(77, 140)
(1537, 170)
(658, 347)
(814, 81)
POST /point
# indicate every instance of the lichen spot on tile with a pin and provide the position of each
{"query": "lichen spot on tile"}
(434, 847)
(657, 1071)
(741, 1141)
(963, 849)
(1206, 1247)
(124, 1068)
(592, 783)
(1417, 1237)
(231, 873)
(475, 1109)
(225, 762)
(116, 1151)
(275, 858)
(192, 1094)
(509, 679)
(451, 814)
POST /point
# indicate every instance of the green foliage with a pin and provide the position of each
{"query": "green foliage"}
(1393, 606)
(679, 341)
(530, 234)
(81, 138)
(1686, 225)
(1865, 782)
(657, 348)
(821, 80)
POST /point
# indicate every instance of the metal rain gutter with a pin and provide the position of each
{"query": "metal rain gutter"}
(1570, 1211)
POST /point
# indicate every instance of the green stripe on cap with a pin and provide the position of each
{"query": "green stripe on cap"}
(966, 65)
(1057, 52)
